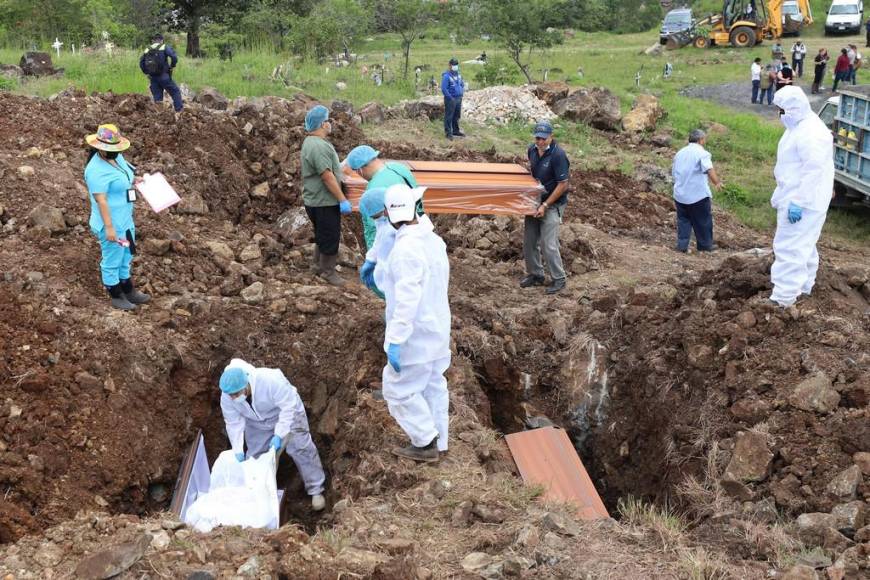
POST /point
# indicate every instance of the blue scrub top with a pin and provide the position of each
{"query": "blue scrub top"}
(103, 177)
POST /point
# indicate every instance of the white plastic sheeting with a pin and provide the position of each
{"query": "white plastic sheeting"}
(239, 494)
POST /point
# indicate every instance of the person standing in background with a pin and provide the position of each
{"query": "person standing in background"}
(755, 76)
(452, 87)
(798, 54)
(821, 63)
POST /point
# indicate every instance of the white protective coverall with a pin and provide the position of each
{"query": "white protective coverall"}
(804, 176)
(414, 278)
(275, 409)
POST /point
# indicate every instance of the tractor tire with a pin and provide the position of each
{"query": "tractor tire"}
(742, 37)
(701, 42)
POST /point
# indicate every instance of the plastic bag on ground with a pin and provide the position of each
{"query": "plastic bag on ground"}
(240, 494)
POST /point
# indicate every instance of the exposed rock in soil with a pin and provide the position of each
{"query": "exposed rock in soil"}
(597, 107)
(210, 98)
(644, 115)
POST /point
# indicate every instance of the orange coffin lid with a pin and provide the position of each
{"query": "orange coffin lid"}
(546, 457)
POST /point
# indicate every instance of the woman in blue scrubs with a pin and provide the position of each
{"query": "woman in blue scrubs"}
(110, 182)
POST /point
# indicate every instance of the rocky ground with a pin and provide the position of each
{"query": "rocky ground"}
(675, 379)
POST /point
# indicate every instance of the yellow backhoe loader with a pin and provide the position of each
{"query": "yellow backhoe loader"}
(742, 23)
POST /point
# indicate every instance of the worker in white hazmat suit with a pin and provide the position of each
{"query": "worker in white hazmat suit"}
(804, 186)
(261, 408)
(414, 278)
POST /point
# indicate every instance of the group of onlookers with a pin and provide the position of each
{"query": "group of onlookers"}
(779, 73)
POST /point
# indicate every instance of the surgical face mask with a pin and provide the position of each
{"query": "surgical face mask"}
(240, 396)
(789, 120)
(455, 68)
(381, 221)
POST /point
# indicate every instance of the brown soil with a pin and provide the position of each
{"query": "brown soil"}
(641, 359)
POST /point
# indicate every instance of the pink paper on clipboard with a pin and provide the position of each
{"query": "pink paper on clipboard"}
(157, 191)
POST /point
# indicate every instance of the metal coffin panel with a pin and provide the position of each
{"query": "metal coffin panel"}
(546, 457)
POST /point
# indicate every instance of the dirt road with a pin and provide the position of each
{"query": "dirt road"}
(738, 96)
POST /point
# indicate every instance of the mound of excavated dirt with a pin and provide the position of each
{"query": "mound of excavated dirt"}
(677, 382)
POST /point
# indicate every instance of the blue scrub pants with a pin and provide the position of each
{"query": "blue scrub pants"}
(160, 83)
(698, 217)
(115, 261)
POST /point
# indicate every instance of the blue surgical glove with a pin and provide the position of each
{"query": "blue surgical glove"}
(367, 274)
(276, 443)
(240, 457)
(394, 353)
(344, 207)
(795, 213)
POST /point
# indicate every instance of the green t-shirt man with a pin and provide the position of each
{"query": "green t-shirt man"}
(391, 173)
(318, 155)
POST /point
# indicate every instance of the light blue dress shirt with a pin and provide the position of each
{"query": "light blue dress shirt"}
(691, 164)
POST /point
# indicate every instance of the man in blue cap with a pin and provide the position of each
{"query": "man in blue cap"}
(322, 196)
(452, 87)
(549, 165)
(158, 62)
(261, 408)
(365, 160)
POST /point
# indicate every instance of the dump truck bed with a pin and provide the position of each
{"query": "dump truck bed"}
(851, 130)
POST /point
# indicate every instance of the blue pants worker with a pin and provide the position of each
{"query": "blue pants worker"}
(756, 86)
(452, 112)
(164, 82)
(798, 66)
(697, 217)
(115, 258)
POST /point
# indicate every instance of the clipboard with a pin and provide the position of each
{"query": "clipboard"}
(157, 191)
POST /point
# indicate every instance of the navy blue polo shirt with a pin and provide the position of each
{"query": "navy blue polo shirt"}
(550, 169)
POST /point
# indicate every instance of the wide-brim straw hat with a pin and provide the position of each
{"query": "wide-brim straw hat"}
(108, 138)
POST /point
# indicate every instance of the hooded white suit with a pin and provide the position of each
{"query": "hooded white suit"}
(275, 409)
(414, 278)
(805, 177)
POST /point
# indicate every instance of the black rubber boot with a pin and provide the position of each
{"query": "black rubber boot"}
(133, 295)
(315, 260)
(119, 300)
(428, 454)
(327, 270)
(531, 280)
(556, 286)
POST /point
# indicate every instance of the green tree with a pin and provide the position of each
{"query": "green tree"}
(192, 13)
(407, 18)
(349, 19)
(520, 27)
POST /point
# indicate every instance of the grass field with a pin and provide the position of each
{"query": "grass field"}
(744, 155)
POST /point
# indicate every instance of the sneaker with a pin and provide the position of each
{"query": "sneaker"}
(428, 454)
(449, 137)
(459, 134)
(318, 502)
(556, 286)
(531, 280)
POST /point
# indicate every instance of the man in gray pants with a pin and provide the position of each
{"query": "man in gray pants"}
(549, 165)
